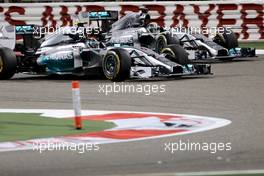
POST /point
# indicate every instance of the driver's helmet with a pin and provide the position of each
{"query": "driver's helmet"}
(92, 43)
(144, 19)
(153, 28)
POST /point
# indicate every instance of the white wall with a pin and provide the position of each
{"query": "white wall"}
(245, 17)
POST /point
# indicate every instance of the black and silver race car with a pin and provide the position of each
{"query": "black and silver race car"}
(76, 53)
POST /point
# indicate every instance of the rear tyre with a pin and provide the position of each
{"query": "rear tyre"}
(164, 40)
(226, 39)
(8, 63)
(117, 64)
(176, 53)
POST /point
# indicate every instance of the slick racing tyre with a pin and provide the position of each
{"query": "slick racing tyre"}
(164, 40)
(226, 39)
(8, 63)
(176, 53)
(117, 64)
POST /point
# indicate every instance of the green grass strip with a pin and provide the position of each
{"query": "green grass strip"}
(23, 126)
(258, 45)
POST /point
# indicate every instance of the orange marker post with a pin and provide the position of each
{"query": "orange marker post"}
(76, 99)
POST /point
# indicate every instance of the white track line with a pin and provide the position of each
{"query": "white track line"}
(259, 52)
(213, 173)
(221, 173)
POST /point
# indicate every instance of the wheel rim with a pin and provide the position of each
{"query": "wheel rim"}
(220, 39)
(161, 43)
(168, 52)
(1, 64)
(110, 65)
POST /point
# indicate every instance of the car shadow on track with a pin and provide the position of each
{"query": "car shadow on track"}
(23, 77)
(100, 79)
(236, 60)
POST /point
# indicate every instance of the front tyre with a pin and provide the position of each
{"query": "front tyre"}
(226, 39)
(8, 63)
(164, 40)
(176, 53)
(117, 64)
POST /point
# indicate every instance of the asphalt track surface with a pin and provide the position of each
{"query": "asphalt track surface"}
(235, 92)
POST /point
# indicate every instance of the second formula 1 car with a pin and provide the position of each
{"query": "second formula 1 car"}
(136, 29)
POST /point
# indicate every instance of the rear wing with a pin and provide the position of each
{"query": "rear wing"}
(101, 19)
(25, 29)
(103, 15)
(30, 34)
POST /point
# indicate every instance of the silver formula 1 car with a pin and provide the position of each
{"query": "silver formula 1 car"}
(135, 29)
(77, 54)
